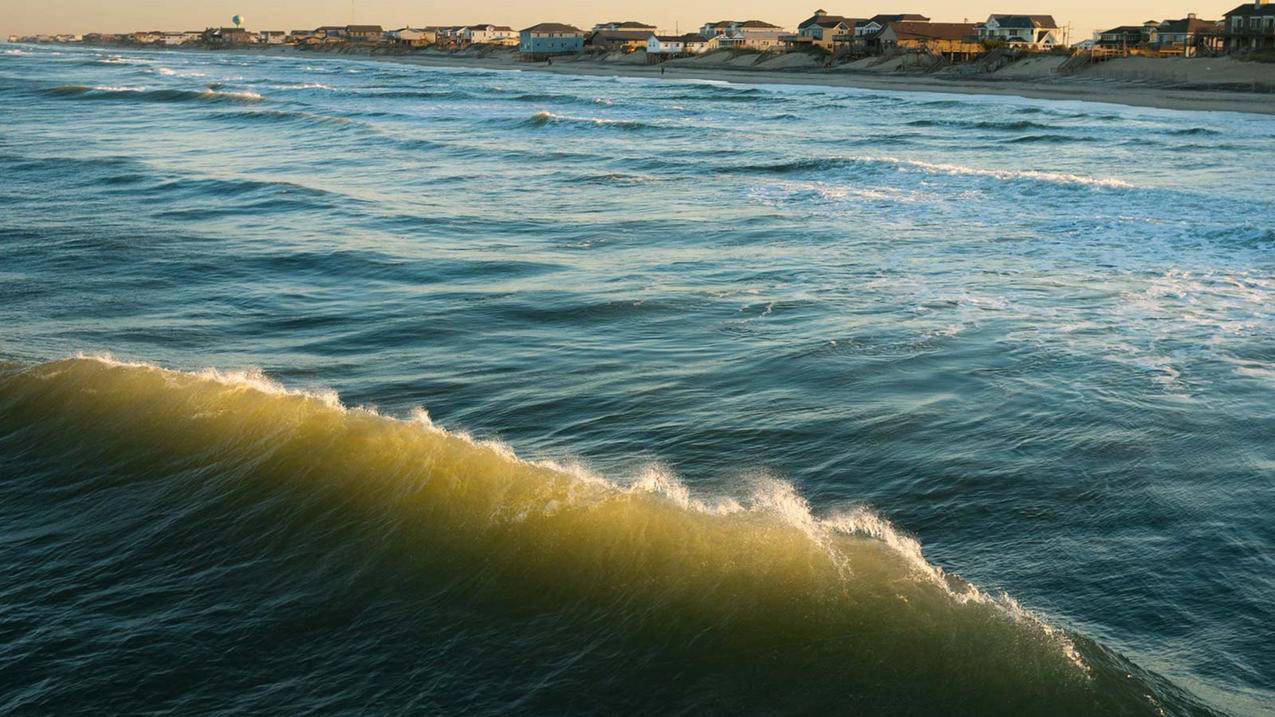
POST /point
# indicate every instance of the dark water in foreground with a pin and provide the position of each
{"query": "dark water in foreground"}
(705, 367)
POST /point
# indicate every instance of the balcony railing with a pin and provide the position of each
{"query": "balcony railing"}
(1249, 31)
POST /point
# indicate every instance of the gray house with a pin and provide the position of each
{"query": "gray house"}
(550, 38)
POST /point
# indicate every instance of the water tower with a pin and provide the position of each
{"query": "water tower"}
(237, 20)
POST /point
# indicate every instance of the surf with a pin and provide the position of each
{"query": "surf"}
(142, 94)
(752, 590)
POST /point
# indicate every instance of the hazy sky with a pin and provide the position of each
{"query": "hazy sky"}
(37, 16)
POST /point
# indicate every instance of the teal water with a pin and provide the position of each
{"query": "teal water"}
(736, 353)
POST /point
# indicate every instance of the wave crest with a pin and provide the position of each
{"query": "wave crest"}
(846, 601)
(549, 119)
(911, 165)
(141, 94)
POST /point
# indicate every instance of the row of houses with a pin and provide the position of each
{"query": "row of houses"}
(1188, 37)
(834, 33)
(823, 30)
(1248, 26)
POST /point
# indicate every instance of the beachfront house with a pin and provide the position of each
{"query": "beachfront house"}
(1031, 32)
(444, 35)
(819, 29)
(549, 39)
(1187, 37)
(1250, 26)
(629, 25)
(956, 41)
(412, 36)
(228, 36)
(674, 45)
(876, 24)
(272, 37)
(748, 34)
(616, 40)
(1125, 37)
(363, 33)
(865, 35)
(488, 34)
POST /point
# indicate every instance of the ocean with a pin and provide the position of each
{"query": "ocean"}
(332, 386)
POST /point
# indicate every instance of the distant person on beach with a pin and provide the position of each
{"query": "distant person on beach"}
(662, 70)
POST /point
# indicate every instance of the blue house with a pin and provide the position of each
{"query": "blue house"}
(550, 38)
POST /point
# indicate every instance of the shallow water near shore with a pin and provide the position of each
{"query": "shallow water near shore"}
(344, 386)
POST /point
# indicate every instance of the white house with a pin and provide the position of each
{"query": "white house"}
(272, 37)
(1037, 32)
(488, 35)
(752, 34)
(689, 44)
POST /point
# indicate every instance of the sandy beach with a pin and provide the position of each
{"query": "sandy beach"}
(1203, 84)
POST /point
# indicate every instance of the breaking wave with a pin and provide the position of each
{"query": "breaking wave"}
(549, 119)
(909, 165)
(752, 594)
(282, 117)
(141, 94)
(418, 95)
(1194, 131)
(1007, 125)
(1046, 139)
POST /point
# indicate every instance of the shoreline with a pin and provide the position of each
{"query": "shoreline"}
(1108, 88)
(1076, 89)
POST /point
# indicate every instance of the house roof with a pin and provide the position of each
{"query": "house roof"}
(626, 25)
(1187, 25)
(1025, 21)
(1124, 30)
(554, 27)
(605, 35)
(743, 23)
(687, 38)
(490, 28)
(887, 19)
(1251, 10)
(363, 28)
(819, 18)
(883, 21)
(934, 30)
